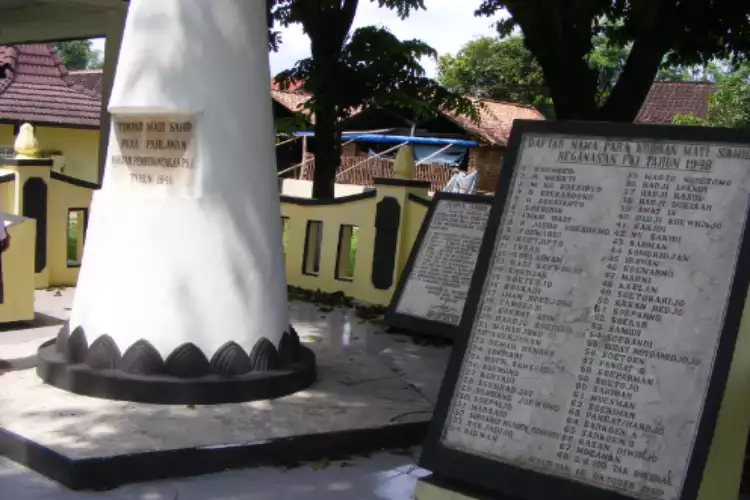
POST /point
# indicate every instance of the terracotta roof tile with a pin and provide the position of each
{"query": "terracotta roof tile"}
(292, 100)
(495, 120)
(496, 117)
(667, 99)
(89, 79)
(295, 85)
(36, 89)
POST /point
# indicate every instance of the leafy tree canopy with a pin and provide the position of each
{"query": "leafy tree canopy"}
(79, 54)
(729, 106)
(491, 68)
(562, 36)
(505, 69)
(349, 71)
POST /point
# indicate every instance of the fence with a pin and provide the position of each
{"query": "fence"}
(59, 204)
(436, 174)
(355, 244)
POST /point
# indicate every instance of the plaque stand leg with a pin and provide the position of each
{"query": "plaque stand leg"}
(434, 487)
(723, 472)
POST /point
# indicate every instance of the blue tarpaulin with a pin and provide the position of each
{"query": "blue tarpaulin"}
(355, 136)
(422, 147)
(452, 156)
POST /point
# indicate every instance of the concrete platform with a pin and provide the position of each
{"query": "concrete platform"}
(374, 391)
(382, 476)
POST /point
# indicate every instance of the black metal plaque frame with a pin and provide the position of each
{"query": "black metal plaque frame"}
(528, 484)
(414, 323)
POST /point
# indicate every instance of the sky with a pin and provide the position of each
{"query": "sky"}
(446, 25)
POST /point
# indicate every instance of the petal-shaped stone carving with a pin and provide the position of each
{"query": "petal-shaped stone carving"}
(264, 356)
(103, 354)
(76, 347)
(62, 337)
(142, 358)
(295, 339)
(230, 359)
(187, 361)
(286, 350)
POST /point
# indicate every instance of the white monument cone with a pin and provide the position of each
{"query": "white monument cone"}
(183, 274)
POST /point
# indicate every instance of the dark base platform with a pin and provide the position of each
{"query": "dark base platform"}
(435, 487)
(358, 404)
(112, 471)
(82, 379)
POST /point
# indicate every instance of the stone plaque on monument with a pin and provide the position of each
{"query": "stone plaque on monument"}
(601, 320)
(431, 293)
(153, 154)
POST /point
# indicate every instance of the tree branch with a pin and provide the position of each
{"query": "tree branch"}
(643, 63)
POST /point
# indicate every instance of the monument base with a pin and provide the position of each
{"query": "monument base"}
(185, 377)
(359, 404)
(434, 487)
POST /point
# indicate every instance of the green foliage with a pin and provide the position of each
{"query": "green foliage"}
(288, 124)
(377, 69)
(607, 58)
(348, 71)
(729, 106)
(562, 36)
(491, 68)
(505, 69)
(79, 54)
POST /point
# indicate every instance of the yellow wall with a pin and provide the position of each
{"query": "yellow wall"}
(80, 147)
(357, 212)
(6, 135)
(63, 196)
(18, 274)
(7, 194)
(64, 193)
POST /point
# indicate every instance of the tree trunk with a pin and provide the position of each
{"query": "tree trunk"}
(327, 31)
(560, 40)
(327, 148)
(637, 77)
(560, 45)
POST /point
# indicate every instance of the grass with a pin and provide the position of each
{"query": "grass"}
(72, 239)
(352, 260)
(353, 252)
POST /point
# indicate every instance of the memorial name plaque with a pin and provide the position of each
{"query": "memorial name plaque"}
(431, 294)
(153, 154)
(602, 318)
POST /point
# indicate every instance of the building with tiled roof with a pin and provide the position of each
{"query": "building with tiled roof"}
(35, 88)
(667, 99)
(491, 132)
(496, 120)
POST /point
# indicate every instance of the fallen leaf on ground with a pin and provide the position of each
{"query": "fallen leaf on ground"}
(321, 464)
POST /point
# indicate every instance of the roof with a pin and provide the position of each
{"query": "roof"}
(495, 120)
(667, 99)
(294, 85)
(35, 89)
(89, 79)
(292, 100)
(496, 117)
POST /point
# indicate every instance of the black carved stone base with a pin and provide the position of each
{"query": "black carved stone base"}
(186, 376)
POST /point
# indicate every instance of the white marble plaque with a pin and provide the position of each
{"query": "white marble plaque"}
(596, 332)
(153, 155)
(437, 285)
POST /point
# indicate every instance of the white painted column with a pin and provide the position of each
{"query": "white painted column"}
(114, 27)
(202, 264)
